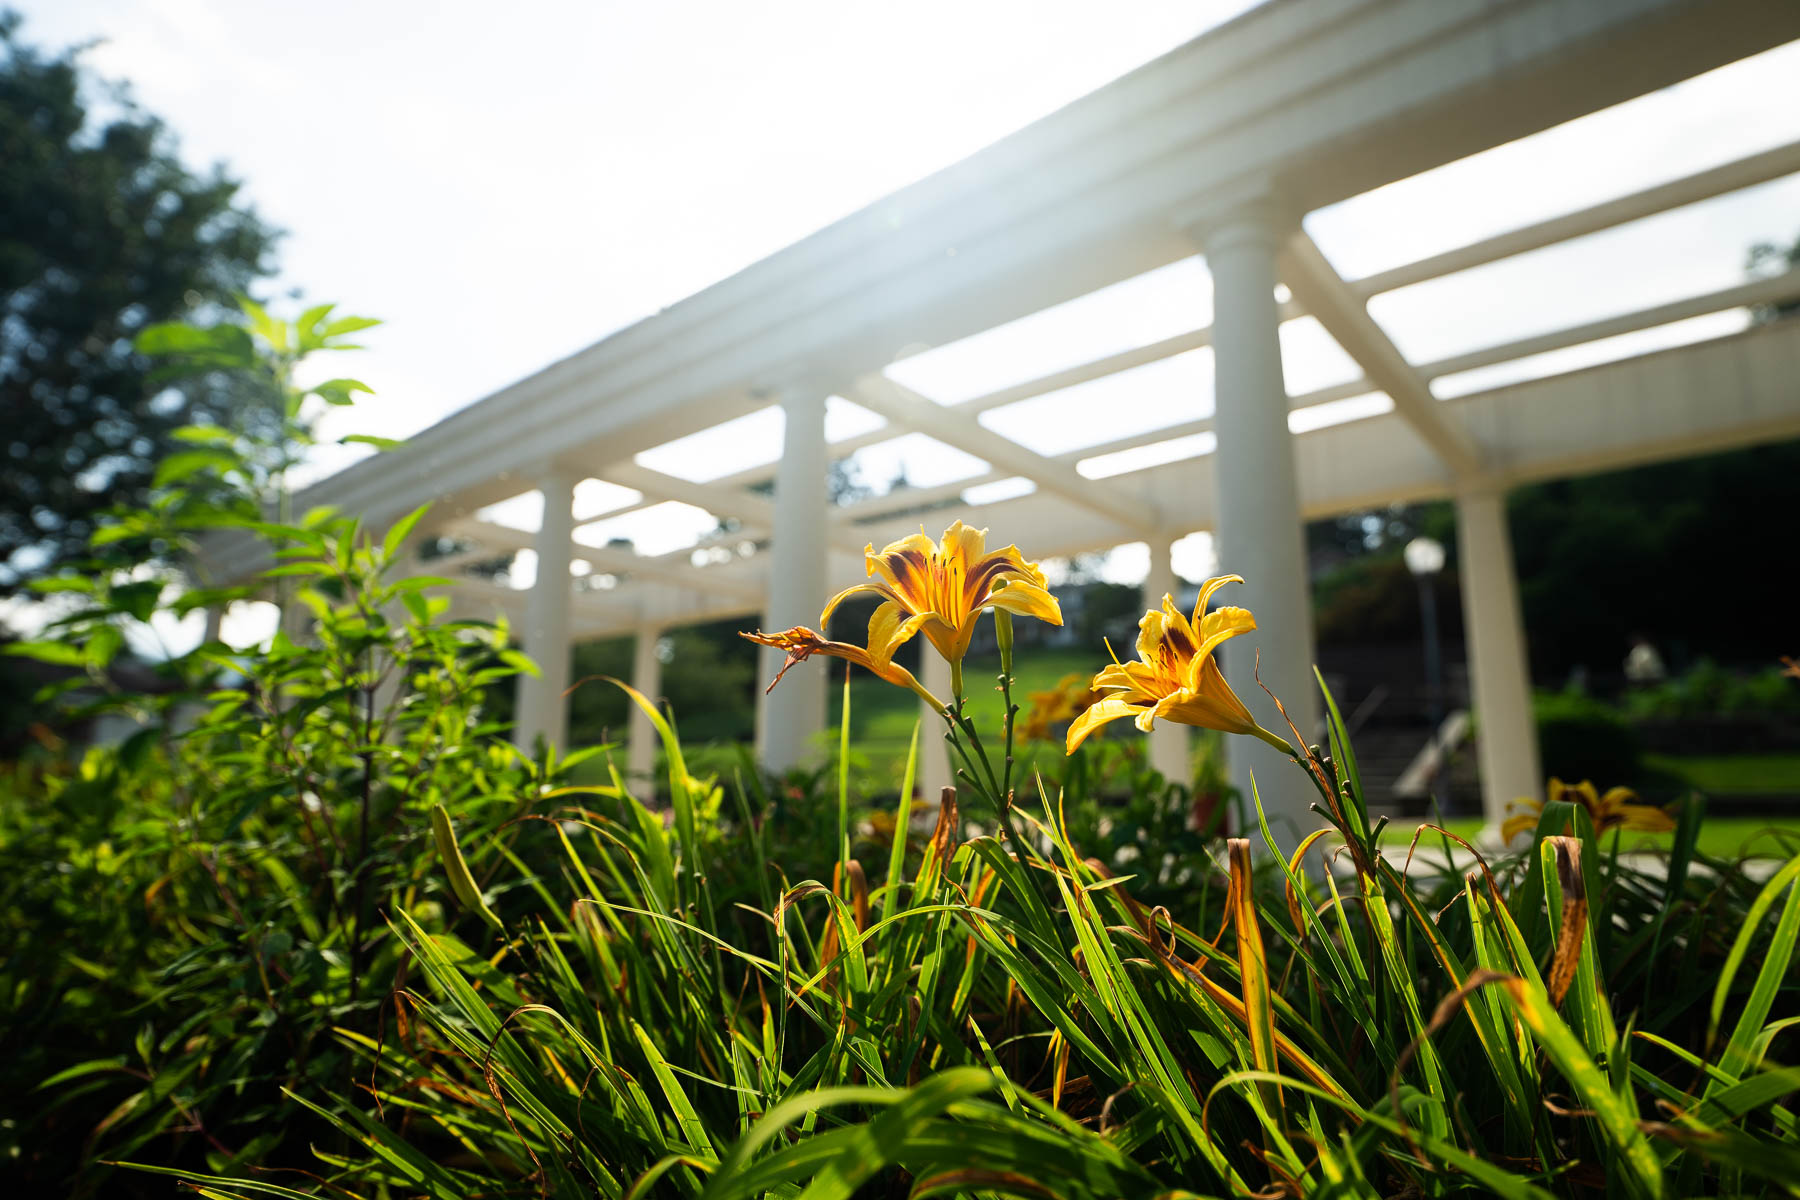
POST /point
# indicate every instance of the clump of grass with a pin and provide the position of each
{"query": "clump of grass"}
(1558, 1022)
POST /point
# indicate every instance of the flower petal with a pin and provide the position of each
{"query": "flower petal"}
(905, 566)
(1216, 628)
(1166, 641)
(963, 545)
(1028, 600)
(831, 605)
(1110, 708)
(1208, 588)
(1210, 704)
(891, 627)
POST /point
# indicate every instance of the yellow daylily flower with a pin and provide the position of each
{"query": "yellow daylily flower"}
(942, 588)
(1619, 808)
(1066, 701)
(801, 643)
(1176, 677)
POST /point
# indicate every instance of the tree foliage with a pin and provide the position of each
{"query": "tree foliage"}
(103, 232)
(1600, 559)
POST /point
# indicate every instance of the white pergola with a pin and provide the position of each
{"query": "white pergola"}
(1219, 148)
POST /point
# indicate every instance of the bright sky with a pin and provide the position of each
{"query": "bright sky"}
(506, 185)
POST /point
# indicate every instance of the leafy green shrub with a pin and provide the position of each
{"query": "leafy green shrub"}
(1709, 691)
(204, 906)
(1580, 737)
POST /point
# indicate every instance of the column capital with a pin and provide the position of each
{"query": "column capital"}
(1252, 211)
(794, 387)
(1488, 485)
(548, 471)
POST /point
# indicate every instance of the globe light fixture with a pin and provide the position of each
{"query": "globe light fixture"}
(1424, 556)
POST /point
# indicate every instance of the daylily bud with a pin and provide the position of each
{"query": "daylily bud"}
(1003, 633)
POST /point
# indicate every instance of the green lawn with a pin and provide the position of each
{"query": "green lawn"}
(882, 716)
(1727, 774)
(1721, 837)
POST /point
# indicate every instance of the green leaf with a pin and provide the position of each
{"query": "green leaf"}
(61, 654)
(184, 464)
(222, 346)
(64, 583)
(1737, 1059)
(341, 392)
(344, 325)
(173, 337)
(204, 435)
(369, 439)
(307, 326)
(400, 530)
(80, 1069)
(520, 663)
(1616, 1118)
(118, 531)
(137, 599)
(461, 882)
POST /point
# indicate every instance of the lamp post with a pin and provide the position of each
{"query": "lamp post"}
(1425, 559)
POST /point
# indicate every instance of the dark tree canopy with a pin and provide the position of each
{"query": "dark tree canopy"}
(103, 232)
(1687, 553)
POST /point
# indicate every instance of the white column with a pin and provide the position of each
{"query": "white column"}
(795, 711)
(296, 618)
(646, 677)
(1169, 745)
(543, 711)
(935, 771)
(215, 623)
(1259, 530)
(1506, 743)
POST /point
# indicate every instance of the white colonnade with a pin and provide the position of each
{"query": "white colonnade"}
(543, 710)
(936, 771)
(790, 715)
(1169, 742)
(1259, 532)
(1506, 744)
(646, 677)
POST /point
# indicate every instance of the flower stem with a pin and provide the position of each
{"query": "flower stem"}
(1276, 740)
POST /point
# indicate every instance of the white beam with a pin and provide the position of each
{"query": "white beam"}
(1767, 290)
(717, 499)
(498, 539)
(1689, 189)
(1320, 290)
(902, 406)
